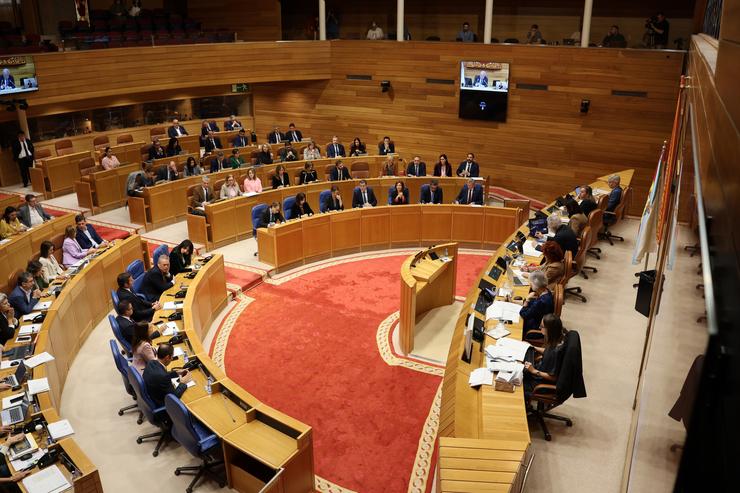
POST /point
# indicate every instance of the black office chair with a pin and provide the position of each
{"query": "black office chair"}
(122, 367)
(569, 382)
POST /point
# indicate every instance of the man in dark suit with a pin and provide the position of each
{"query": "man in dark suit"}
(156, 151)
(481, 80)
(203, 193)
(272, 215)
(23, 155)
(363, 196)
(431, 194)
(241, 140)
(218, 163)
(143, 310)
(334, 201)
(416, 167)
(86, 235)
(7, 82)
(176, 131)
(169, 172)
(339, 172)
(288, 153)
(386, 147)
(23, 297)
(233, 124)
(127, 324)
(31, 213)
(562, 234)
(8, 322)
(470, 193)
(335, 149)
(275, 137)
(615, 196)
(158, 279)
(212, 142)
(294, 135)
(468, 168)
(158, 379)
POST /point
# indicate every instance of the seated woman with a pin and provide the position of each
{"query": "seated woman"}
(73, 252)
(400, 194)
(50, 268)
(34, 268)
(192, 167)
(252, 184)
(265, 155)
(236, 161)
(308, 174)
(544, 369)
(181, 256)
(357, 148)
(539, 302)
(230, 188)
(300, 207)
(311, 152)
(280, 179)
(389, 167)
(586, 200)
(578, 219)
(141, 345)
(10, 224)
(173, 147)
(552, 265)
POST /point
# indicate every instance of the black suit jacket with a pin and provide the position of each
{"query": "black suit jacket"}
(295, 211)
(165, 173)
(157, 153)
(276, 218)
(158, 382)
(155, 283)
(462, 197)
(588, 206)
(276, 181)
(143, 311)
(6, 331)
(357, 197)
(210, 146)
(127, 327)
(438, 169)
(331, 152)
(272, 137)
(566, 238)
(334, 175)
(294, 135)
(333, 205)
(391, 149)
(412, 171)
(426, 196)
(83, 240)
(474, 170)
(172, 133)
(178, 262)
(240, 141)
(17, 148)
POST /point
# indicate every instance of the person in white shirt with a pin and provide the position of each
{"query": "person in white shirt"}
(109, 161)
(31, 213)
(50, 268)
(375, 32)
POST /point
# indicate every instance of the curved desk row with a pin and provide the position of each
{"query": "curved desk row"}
(69, 320)
(230, 220)
(483, 434)
(261, 445)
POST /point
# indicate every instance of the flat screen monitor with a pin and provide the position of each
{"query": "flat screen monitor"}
(484, 90)
(18, 75)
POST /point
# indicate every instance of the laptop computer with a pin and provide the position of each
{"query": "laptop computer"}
(18, 352)
(15, 414)
(17, 378)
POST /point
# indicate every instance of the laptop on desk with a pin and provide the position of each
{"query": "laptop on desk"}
(18, 352)
(15, 414)
(17, 378)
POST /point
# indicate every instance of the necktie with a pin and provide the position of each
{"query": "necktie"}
(25, 147)
(205, 194)
(295, 137)
(431, 196)
(336, 150)
(213, 143)
(416, 169)
(470, 195)
(364, 197)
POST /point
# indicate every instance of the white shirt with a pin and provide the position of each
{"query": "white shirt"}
(376, 33)
(24, 149)
(89, 237)
(36, 218)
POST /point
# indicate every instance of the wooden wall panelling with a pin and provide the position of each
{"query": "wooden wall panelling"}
(258, 20)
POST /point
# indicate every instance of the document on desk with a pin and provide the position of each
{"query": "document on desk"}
(170, 329)
(498, 332)
(38, 385)
(176, 382)
(499, 353)
(39, 359)
(600, 191)
(60, 429)
(5, 364)
(49, 480)
(42, 305)
(249, 194)
(178, 352)
(518, 348)
(30, 316)
(172, 305)
(505, 366)
(530, 250)
(503, 310)
(27, 330)
(19, 464)
(480, 376)
(12, 400)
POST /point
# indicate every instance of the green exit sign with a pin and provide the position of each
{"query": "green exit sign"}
(239, 87)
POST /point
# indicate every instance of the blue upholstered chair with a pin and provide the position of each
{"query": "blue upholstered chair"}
(323, 198)
(136, 268)
(154, 415)
(121, 365)
(288, 207)
(119, 336)
(160, 250)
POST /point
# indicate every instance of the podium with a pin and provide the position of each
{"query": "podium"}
(427, 281)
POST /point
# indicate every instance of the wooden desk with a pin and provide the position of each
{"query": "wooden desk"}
(56, 176)
(425, 284)
(304, 240)
(104, 190)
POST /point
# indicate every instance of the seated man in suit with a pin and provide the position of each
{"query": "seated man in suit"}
(202, 194)
(126, 323)
(272, 215)
(339, 172)
(8, 322)
(156, 151)
(288, 153)
(363, 196)
(335, 149)
(294, 135)
(615, 197)
(416, 167)
(158, 379)
(334, 201)
(432, 194)
(468, 168)
(86, 235)
(169, 172)
(143, 310)
(481, 80)
(241, 140)
(211, 142)
(233, 124)
(24, 297)
(176, 130)
(470, 193)
(31, 213)
(158, 279)
(562, 234)
(386, 147)
(219, 163)
(276, 136)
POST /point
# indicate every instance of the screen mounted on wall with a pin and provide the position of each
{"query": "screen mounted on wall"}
(484, 90)
(18, 75)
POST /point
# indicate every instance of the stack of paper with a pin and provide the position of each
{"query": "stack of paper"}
(60, 429)
(480, 376)
(39, 359)
(49, 480)
(42, 305)
(517, 348)
(12, 400)
(504, 366)
(503, 310)
(530, 251)
(172, 305)
(499, 353)
(38, 385)
(176, 382)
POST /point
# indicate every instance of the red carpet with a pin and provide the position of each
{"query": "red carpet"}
(504, 193)
(308, 348)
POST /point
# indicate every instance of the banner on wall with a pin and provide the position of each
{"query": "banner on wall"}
(647, 239)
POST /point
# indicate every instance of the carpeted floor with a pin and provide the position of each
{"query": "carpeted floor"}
(308, 348)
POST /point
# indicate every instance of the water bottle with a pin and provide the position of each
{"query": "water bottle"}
(209, 383)
(185, 357)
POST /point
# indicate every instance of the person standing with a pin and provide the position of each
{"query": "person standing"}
(23, 155)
